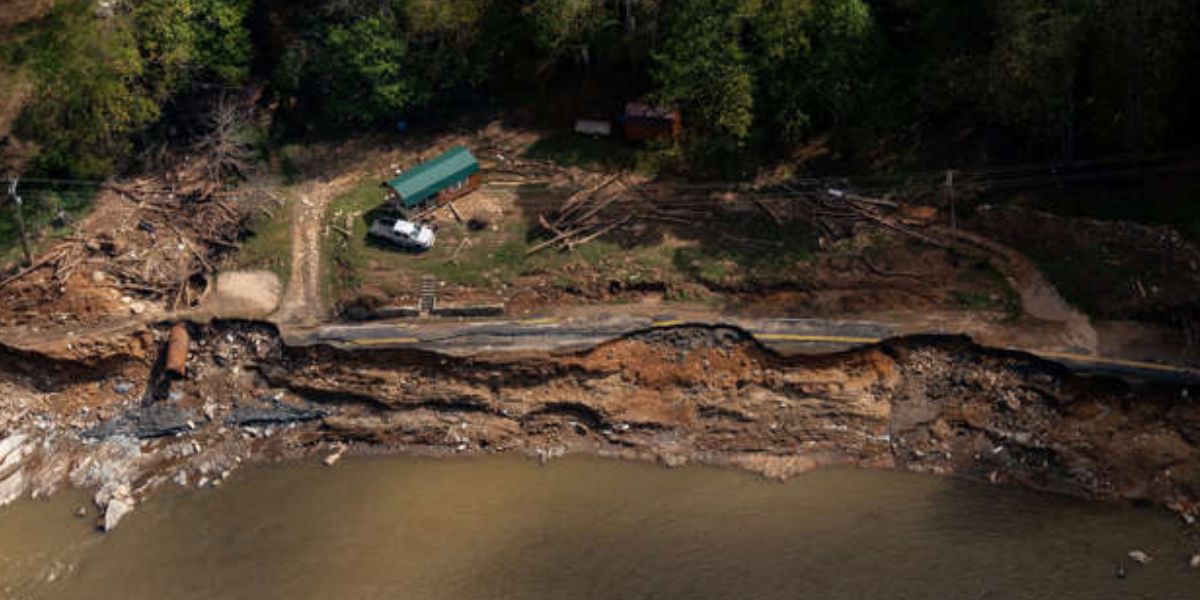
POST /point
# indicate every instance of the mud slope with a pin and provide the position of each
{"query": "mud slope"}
(940, 405)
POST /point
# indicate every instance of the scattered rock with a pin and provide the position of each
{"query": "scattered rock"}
(333, 458)
(80, 511)
(1140, 557)
(12, 487)
(12, 476)
(118, 505)
(672, 461)
(137, 308)
(123, 387)
(12, 450)
(1195, 561)
(692, 338)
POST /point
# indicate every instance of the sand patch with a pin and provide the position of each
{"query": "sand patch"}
(246, 294)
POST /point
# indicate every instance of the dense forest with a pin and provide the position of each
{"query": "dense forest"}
(925, 81)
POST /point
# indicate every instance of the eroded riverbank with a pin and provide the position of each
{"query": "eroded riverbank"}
(102, 415)
(501, 527)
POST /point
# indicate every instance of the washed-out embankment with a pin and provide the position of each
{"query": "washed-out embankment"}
(104, 414)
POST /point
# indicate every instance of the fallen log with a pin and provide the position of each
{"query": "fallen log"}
(188, 243)
(891, 225)
(602, 231)
(547, 225)
(767, 209)
(458, 217)
(575, 200)
(556, 239)
(41, 262)
(457, 249)
(596, 209)
(669, 219)
(876, 269)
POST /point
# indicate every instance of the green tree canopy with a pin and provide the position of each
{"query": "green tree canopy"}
(702, 67)
(89, 97)
(360, 70)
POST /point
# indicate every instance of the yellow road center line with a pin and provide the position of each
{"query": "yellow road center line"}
(544, 321)
(837, 339)
(1135, 364)
(666, 323)
(834, 339)
(384, 341)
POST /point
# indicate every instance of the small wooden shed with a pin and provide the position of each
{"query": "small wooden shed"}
(643, 122)
(447, 176)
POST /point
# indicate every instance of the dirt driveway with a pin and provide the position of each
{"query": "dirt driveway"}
(302, 302)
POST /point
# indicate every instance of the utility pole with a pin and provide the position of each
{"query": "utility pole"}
(18, 210)
(950, 193)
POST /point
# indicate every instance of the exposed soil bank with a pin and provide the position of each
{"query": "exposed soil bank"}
(101, 415)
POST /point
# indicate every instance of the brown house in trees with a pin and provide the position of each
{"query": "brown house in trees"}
(645, 122)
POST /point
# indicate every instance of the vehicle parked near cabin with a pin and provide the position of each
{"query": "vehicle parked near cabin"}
(593, 127)
(452, 174)
(402, 233)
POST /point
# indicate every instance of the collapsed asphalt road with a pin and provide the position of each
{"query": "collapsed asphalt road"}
(785, 336)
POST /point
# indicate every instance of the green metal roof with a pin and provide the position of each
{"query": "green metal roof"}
(432, 176)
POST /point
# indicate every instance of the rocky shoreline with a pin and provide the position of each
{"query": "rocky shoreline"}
(101, 414)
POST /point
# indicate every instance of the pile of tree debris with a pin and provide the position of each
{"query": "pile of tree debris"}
(144, 240)
(155, 238)
(186, 237)
(610, 203)
(586, 215)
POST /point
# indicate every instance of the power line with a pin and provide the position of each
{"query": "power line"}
(988, 178)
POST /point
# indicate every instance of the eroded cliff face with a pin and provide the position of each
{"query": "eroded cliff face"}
(104, 416)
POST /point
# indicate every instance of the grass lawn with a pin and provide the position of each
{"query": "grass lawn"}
(269, 243)
(748, 251)
(741, 251)
(714, 260)
(490, 259)
(981, 275)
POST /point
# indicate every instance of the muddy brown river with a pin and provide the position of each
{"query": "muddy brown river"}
(504, 527)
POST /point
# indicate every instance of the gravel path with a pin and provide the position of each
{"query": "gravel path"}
(302, 303)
